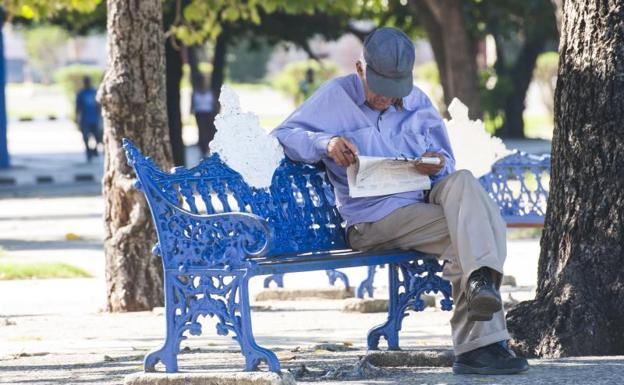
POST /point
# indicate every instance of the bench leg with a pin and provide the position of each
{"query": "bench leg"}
(277, 278)
(367, 283)
(167, 354)
(407, 282)
(333, 275)
(189, 296)
(254, 354)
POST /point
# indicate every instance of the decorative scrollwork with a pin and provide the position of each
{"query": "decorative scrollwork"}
(277, 278)
(214, 241)
(408, 281)
(191, 296)
(305, 216)
(366, 286)
(334, 275)
(518, 184)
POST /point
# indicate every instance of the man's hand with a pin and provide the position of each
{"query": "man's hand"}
(342, 151)
(430, 169)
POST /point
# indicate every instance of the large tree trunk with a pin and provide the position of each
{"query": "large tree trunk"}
(174, 76)
(134, 103)
(579, 304)
(455, 51)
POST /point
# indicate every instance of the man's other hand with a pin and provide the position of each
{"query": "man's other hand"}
(342, 151)
(431, 169)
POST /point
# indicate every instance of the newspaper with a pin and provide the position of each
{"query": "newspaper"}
(373, 176)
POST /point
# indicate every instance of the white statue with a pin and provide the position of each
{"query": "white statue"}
(243, 144)
(475, 149)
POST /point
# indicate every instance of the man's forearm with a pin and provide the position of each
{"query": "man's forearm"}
(303, 145)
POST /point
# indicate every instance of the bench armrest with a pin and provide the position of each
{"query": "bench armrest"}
(223, 241)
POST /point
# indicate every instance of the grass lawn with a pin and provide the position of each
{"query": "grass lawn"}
(524, 233)
(40, 270)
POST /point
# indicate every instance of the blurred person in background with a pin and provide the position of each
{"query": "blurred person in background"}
(89, 118)
(306, 86)
(203, 107)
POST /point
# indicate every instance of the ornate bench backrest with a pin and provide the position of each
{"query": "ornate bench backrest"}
(519, 185)
(299, 206)
(305, 216)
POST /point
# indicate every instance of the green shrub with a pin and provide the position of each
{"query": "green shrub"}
(45, 47)
(289, 78)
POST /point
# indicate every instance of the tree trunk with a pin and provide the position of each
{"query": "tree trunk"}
(193, 62)
(521, 76)
(434, 34)
(455, 51)
(174, 115)
(133, 97)
(218, 66)
(579, 304)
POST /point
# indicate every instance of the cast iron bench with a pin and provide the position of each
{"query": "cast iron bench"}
(215, 233)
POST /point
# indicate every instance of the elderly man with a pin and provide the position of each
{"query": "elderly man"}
(379, 112)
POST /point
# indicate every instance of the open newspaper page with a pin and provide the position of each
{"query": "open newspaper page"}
(373, 176)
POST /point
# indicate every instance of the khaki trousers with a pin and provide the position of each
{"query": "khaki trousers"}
(461, 225)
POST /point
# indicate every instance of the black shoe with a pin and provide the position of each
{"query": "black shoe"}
(483, 298)
(496, 358)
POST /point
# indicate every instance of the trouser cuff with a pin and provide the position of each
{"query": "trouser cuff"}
(501, 335)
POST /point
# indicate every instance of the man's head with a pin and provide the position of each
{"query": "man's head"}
(386, 67)
(86, 82)
(309, 75)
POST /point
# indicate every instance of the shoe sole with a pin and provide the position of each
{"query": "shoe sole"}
(465, 369)
(483, 307)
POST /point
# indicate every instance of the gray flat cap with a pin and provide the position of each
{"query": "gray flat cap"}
(389, 55)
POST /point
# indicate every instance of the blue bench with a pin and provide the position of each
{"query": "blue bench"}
(215, 233)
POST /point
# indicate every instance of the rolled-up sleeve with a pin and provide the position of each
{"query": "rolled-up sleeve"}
(301, 144)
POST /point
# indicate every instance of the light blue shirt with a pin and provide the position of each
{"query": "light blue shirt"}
(338, 108)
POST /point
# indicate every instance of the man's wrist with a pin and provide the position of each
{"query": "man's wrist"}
(322, 142)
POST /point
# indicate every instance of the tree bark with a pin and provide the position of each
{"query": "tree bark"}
(174, 114)
(133, 97)
(579, 304)
(455, 51)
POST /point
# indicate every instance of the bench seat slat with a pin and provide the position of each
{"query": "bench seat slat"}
(330, 261)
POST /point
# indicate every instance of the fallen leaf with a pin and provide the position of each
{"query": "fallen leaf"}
(72, 236)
